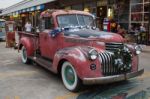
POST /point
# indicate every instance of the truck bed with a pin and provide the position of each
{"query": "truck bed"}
(33, 38)
(29, 34)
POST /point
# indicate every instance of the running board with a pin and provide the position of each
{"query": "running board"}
(43, 62)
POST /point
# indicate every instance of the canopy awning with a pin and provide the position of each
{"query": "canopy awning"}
(26, 5)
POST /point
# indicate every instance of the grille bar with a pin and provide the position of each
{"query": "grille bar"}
(114, 46)
(108, 67)
(107, 64)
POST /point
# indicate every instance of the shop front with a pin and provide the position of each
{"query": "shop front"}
(26, 10)
(117, 10)
(31, 14)
(126, 13)
(140, 17)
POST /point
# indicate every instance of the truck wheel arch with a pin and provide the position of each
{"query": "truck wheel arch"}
(64, 56)
(72, 63)
(60, 65)
(20, 46)
(78, 59)
(28, 45)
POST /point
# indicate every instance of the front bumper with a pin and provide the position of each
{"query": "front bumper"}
(110, 79)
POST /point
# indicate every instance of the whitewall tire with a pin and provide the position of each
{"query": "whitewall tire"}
(24, 56)
(69, 77)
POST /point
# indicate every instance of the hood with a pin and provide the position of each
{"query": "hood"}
(95, 34)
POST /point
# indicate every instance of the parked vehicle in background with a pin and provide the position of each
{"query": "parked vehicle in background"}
(2, 29)
(69, 44)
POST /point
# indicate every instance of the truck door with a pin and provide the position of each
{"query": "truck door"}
(48, 45)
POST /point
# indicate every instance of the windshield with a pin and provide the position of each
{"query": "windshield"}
(74, 20)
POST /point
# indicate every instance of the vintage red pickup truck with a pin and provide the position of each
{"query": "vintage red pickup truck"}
(68, 43)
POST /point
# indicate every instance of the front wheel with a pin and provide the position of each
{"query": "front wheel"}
(69, 77)
(24, 56)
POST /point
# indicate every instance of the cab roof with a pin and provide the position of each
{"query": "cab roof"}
(56, 12)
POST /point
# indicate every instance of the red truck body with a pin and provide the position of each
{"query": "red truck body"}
(80, 54)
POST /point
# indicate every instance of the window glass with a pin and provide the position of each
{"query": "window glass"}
(137, 8)
(136, 1)
(49, 23)
(75, 20)
(46, 23)
(81, 20)
(146, 7)
(136, 17)
(146, 1)
(146, 16)
(88, 20)
(67, 20)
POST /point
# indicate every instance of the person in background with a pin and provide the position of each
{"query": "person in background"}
(142, 34)
(142, 28)
(28, 26)
(113, 26)
(121, 31)
(19, 25)
(137, 33)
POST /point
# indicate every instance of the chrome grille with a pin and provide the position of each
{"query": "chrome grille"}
(107, 62)
(114, 46)
(113, 59)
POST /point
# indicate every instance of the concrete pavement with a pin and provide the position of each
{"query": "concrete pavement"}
(20, 81)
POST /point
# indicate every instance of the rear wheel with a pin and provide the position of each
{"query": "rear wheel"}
(69, 77)
(24, 56)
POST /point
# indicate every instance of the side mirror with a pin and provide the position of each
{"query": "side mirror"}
(55, 32)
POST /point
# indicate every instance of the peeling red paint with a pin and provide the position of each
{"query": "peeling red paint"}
(74, 49)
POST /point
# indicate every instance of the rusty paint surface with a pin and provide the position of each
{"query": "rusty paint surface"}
(71, 48)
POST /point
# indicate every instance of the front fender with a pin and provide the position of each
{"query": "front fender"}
(135, 58)
(27, 42)
(79, 60)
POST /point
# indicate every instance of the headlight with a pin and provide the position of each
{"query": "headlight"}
(93, 54)
(138, 49)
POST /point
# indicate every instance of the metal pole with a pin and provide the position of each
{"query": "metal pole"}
(148, 38)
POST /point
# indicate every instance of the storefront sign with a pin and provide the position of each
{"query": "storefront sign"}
(24, 10)
(32, 8)
(40, 7)
(28, 9)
